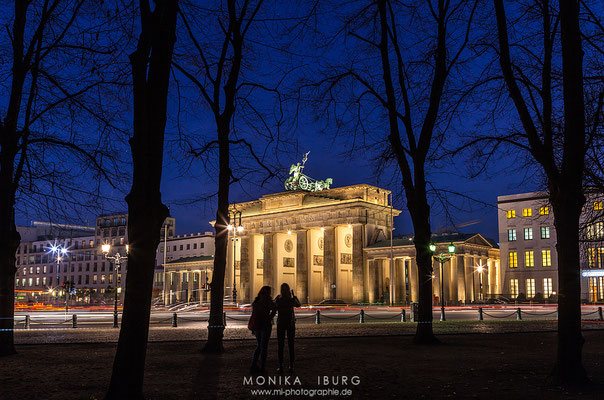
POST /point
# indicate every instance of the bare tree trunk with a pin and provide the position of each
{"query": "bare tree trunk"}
(9, 242)
(567, 204)
(420, 212)
(567, 200)
(151, 64)
(215, 322)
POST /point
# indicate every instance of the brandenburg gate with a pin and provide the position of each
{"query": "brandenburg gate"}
(313, 241)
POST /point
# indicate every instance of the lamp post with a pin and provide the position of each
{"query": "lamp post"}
(442, 258)
(480, 268)
(117, 260)
(60, 252)
(231, 227)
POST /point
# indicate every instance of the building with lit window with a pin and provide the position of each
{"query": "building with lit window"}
(40, 277)
(527, 239)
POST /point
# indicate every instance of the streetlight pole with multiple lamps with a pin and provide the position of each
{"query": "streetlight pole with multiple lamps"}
(117, 260)
(232, 228)
(442, 258)
(60, 252)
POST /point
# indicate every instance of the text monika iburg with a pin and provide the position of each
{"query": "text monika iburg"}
(280, 380)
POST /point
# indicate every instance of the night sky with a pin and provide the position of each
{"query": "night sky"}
(505, 174)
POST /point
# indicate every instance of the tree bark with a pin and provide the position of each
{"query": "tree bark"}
(567, 200)
(215, 321)
(420, 212)
(567, 203)
(9, 242)
(151, 63)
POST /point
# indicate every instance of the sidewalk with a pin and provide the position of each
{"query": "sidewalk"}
(477, 366)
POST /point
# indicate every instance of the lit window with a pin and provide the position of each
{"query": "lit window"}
(37, 281)
(593, 289)
(544, 210)
(545, 232)
(601, 286)
(530, 288)
(94, 279)
(511, 235)
(547, 287)
(529, 258)
(30, 281)
(511, 214)
(591, 257)
(513, 259)
(513, 288)
(44, 281)
(44, 269)
(598, 205)
(110, 278)
(102, 278)
(527, 212)
(546, 258)
(595, 231)
(528, 233)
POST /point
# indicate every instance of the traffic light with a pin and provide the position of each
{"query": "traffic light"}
(64, 285)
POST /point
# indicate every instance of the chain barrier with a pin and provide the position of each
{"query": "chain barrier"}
(499, 316)
(348, 317)
(537, 313)
(590, 313)
(390, 317)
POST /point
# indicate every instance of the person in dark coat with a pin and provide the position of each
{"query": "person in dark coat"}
(263, 311)
(286, 324)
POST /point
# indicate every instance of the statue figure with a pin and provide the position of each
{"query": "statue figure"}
(297, 180)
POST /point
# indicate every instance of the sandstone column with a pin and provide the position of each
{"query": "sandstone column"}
(302, 265)
(453, 281)
(358, 288)
(461, 279)
(177, 286)
(268, 272)
(329, 262)
(244, 270)
(413, 280)
(189, 286)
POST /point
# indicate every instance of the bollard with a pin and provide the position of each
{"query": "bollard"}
(115, 322)
(74, 321)
(27, 322)
(224, 318)
(362, 319)
(480, 313)
(403, 316)
(174, 320)
(600, 313)
(318, 317)
(518, 313)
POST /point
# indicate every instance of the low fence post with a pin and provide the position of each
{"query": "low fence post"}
(480, 314)
(174, 320)
(224, 318)
(403, 316)
(518, 313)
(362, 319)
(600, 313)
(318, 317)
(27, 322)
(74, 321)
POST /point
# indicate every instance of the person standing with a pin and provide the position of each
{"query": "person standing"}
(263, 311)
(286, 324)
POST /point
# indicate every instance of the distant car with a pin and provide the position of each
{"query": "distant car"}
(333, 302)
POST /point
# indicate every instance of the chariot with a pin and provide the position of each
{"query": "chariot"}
(298, 181)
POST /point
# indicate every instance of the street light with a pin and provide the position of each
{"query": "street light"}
(239, 229)
(60, 252)
(117, 259)
(479, 269)
(442, 258)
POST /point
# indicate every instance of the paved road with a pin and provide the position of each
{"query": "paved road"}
(194, 318)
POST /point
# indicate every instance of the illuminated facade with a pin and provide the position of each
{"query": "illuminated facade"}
(331, 244)
(527, 239)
